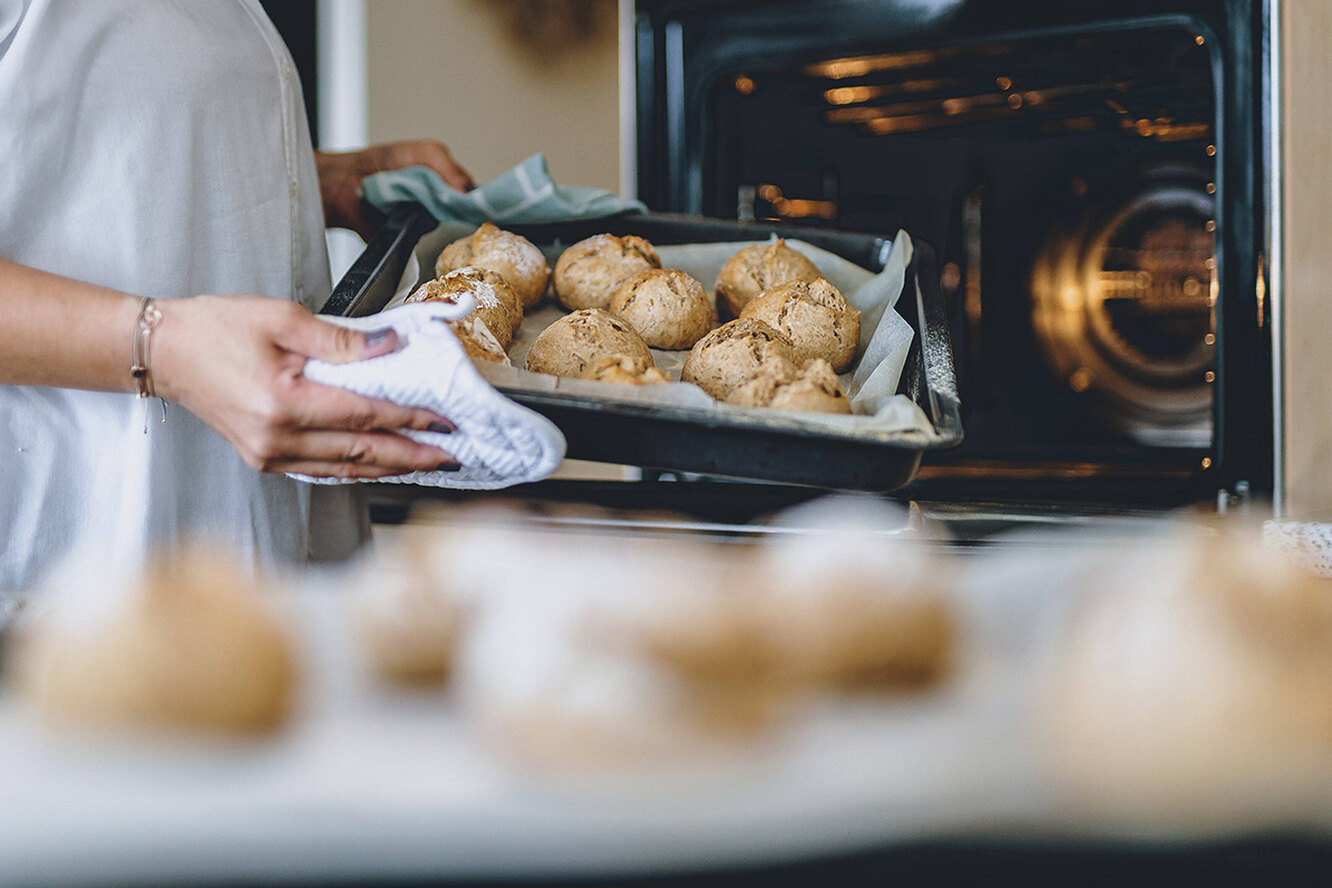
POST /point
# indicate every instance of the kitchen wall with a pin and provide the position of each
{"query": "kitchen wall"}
(497, 80)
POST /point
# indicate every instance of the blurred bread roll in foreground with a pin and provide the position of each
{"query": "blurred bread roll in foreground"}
(588, 273)
(845, 603)
(513, 257)
(190, 644)
(550, 674)
(604, 655)
(407, 621)
(1195, 685)
(756, 268)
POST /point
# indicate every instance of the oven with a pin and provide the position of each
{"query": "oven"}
(1092, 177)
(1132, 288)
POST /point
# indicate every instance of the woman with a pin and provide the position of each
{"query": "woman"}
(159, 149)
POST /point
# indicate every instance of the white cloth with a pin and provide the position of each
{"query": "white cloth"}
(498, 442)
(159, 148)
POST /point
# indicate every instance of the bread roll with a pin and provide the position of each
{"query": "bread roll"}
(1194, 683)
(624, 370)
(512, 256)
(588, 273)
(190, 645)
(733, 353)
(408, 623)
(496, 302)
(477, 340)
(816, 317)
(848, 607)
(784, 386)
(756, 268)
(559, 672)
(841, 608)
(572, 344)
(669, 308)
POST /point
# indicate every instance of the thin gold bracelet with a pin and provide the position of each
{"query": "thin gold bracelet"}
(149, 317)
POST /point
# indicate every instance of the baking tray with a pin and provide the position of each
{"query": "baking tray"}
(776, 447)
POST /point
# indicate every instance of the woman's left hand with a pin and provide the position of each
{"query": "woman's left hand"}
(341, 173)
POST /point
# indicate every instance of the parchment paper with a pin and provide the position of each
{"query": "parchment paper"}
(871, 384)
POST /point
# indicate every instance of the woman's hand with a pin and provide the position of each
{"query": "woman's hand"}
(340, 176)
(236, 362)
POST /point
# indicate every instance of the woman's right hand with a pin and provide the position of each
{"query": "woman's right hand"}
(236, 362)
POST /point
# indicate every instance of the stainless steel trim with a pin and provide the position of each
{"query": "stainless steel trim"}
(1276, 254)
(628, 76)
(675, 111)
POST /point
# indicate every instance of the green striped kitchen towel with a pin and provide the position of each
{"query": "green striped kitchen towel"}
(525, 194)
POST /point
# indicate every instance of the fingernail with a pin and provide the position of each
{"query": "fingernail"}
(442, 426)
(448, 465)
(375, 337)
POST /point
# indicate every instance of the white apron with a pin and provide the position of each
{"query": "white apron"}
(158, 147)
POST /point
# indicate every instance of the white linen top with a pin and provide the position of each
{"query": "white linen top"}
(158, 147)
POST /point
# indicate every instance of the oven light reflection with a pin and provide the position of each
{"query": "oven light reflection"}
(796, 208)
(859, 66)
(1065, 106)
(850, 95)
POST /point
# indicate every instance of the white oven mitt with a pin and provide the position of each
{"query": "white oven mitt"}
(498, 442)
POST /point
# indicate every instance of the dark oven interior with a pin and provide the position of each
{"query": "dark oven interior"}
(1087, 176)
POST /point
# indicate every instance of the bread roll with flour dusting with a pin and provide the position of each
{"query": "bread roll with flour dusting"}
(511, 256)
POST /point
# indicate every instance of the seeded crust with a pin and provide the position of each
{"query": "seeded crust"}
(733, 354)
(782, 385)
(819, 320)
(496, 302)
(669, 308)
(756, 268)
(624, 370)
(576, 341)
(588, 273)
(512, 256)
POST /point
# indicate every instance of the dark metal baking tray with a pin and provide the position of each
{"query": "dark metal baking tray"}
(768, 445)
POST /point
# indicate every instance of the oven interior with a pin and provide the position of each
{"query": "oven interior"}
(1067, 167)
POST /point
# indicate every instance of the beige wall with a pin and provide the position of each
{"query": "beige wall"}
(1307, 219)
(457, 70)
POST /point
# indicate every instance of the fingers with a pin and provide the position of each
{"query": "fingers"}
(310, 337)
(326, 407)
(364, 453)
(336, 433)
(320, 469)
(432, 154)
